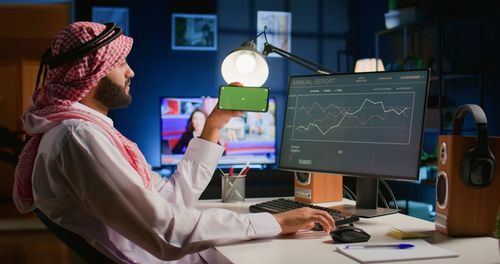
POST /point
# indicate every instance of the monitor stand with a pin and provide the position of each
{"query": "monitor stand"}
(366, 200)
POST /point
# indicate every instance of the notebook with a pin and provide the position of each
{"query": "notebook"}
(401, 234)
(421, 250)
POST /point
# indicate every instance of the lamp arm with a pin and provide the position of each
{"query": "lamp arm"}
(268, 48)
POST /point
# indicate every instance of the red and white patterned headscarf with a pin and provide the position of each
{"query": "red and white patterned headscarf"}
(65, 85)
(70, 82)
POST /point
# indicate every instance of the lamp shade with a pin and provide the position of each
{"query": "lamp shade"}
(369, 65)
(245, 65)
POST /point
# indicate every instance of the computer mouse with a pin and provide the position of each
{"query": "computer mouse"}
(349, 234)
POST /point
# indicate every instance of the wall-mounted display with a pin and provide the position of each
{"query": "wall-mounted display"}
(279, 28)
(194, 32)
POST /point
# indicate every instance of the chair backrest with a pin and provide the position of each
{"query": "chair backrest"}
(74, 241)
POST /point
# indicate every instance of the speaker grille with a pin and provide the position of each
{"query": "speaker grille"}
(303, 178)
(442, 189)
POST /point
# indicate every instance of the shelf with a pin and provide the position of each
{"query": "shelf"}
(416, 26)
(429, 182)
(423, 26)
(453, 82)
(430, 161)
(431, 130)
(449, 131)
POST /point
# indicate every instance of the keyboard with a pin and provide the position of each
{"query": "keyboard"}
(283, 205)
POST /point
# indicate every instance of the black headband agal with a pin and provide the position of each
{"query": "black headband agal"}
(110, 33)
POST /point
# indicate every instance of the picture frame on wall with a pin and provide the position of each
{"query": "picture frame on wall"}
(194, 31)
(118, 15)
(279, 28)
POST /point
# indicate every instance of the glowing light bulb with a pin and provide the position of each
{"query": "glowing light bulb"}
(245, 63)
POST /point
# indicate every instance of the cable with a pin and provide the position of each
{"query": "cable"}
(382, 198)
(347, 194)
(390, 193)
(352, 194)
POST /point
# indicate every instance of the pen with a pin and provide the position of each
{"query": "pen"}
(242, 172)
(396, 246)
(245, 172)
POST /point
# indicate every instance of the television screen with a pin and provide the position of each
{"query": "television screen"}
(250, 138)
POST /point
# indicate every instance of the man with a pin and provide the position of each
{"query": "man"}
(88, 178)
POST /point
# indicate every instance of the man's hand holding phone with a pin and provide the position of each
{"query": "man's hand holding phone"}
(217, 120)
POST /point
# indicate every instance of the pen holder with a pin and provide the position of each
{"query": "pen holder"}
(233, 188)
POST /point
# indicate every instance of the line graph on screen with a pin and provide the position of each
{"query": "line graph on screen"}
(380, 118)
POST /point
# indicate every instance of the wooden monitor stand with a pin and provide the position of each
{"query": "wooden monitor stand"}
(317, 187)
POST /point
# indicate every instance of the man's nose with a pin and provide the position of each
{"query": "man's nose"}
(129, 73)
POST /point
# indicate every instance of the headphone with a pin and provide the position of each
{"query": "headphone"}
(110, 33)
(478, 164)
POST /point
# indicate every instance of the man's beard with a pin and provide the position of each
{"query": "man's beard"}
(111, 94)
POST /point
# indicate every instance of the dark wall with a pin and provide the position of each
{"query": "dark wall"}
(367, 17)
(491, 31)
(319, 33)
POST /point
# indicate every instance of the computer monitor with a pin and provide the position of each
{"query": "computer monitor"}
(368, 125)
(250, 138)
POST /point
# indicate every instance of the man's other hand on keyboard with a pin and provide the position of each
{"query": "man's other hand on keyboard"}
(304, 219)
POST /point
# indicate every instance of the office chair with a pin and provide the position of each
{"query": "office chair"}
(74, 241)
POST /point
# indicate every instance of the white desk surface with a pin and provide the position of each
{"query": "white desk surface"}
(316, 247)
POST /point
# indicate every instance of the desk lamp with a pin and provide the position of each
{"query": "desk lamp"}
(248, 66)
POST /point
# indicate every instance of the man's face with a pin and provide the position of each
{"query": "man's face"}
(113, 91)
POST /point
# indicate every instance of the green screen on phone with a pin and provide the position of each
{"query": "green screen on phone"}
(251, 99)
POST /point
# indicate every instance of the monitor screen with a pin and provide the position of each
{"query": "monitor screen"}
(367, 124)
(250, 138)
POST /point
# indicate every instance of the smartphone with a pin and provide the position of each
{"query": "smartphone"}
(249, 99)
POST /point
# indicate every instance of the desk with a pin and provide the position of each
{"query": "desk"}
(311, 247)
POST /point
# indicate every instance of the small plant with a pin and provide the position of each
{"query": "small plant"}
(397, 4)
(393, 4)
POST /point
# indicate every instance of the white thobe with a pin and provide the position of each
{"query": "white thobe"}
(83, 183)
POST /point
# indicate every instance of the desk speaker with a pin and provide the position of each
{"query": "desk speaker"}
(317, 187)
(468, 181)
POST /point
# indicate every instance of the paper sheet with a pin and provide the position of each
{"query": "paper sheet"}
(422, 250)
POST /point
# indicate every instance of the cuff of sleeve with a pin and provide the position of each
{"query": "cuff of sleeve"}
(264, 224)
(203, 151)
